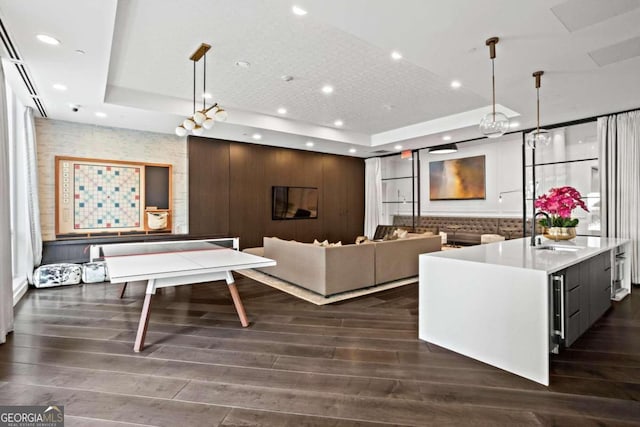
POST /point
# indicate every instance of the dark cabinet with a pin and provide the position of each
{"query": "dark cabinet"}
(600, 297)
(586, 295)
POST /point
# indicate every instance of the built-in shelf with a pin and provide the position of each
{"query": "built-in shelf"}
(583, 197)
(399, 177)
(402, 202)
(562, 162)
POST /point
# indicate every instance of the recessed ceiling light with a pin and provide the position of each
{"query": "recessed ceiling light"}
(282, 110)
(207, 95)
(59, 86)
(309, 144)
(327, 89)
(398, 147)
(286, 77)
(395, 55)
(514, 124)
(48, 39)
(256, 136)
(456, 84)
(100, 114)
(243, 64)
(352, 150)
(297, 10)
(80, 51)
(446, 138)
(338, 123)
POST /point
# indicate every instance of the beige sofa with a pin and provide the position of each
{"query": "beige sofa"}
(331, 270)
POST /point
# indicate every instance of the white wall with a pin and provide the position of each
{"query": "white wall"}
(60, 138)
(503, 172)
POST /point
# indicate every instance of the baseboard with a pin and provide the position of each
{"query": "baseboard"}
(20, 287)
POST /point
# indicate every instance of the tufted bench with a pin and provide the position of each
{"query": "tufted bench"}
(471, 228)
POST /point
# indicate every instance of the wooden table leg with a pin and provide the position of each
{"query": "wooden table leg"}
(124, 288)
(236, 300)
(144, 318)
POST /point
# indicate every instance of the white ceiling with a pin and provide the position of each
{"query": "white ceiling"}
(136, 65)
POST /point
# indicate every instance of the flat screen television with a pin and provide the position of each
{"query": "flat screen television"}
(294, 202)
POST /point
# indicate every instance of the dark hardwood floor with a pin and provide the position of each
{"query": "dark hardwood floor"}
(355, 363)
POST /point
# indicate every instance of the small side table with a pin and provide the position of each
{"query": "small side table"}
(454, 229)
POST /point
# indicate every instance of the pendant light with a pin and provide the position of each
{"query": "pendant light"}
(207, 116)
(538, 137)
(494, 124)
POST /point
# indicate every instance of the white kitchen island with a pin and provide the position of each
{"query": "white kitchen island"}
(498, 303)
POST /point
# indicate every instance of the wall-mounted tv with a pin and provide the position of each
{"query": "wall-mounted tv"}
(294, 202)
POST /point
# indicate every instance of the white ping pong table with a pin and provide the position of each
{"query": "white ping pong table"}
(173, 263)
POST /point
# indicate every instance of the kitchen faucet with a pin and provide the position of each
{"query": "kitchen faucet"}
(533, 225)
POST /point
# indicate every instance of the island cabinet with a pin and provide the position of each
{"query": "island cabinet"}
(586, 289)
(510, 304)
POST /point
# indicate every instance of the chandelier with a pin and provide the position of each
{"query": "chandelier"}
(539, 137)
(494, 124)
(206, 117)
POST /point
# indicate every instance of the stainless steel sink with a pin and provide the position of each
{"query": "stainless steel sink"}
(559, 248)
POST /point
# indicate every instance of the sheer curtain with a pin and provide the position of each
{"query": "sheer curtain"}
(372, 196)
(25, 210)
(619, 137)
(33, 250)
(6, 283)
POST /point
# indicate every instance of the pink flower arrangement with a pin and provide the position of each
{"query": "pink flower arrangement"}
(559, 203)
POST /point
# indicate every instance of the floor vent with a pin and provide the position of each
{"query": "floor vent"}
(14, 57)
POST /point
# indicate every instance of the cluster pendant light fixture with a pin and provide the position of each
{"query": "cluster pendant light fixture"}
(207, 116)
(539, 137)
(494, 124)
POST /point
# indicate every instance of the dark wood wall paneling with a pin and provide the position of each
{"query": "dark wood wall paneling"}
(208, 187)
(230, 191)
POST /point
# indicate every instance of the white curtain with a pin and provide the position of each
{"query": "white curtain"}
(25, 219)
(372, 196)
(6, 282)
(619, 137)
(32, 221)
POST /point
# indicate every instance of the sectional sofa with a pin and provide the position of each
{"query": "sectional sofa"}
(331, 270)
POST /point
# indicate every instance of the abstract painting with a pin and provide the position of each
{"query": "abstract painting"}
(457, 179)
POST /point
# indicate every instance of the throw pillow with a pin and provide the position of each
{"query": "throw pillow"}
(390, 236)
(402, 234)
(325, 243)
(339, 243)
(361, 239)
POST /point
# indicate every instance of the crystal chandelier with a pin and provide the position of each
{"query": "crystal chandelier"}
(494, 124)
(207, 116)
(539, 137)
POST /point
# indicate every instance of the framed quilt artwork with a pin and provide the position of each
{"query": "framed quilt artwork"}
(97, 196)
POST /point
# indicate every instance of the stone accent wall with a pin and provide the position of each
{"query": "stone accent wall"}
(61, 138)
